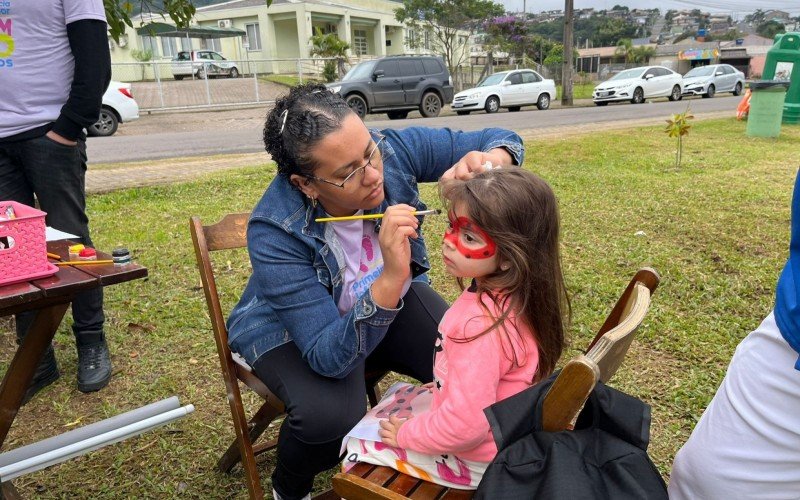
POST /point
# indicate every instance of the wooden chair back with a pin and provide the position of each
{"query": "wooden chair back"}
(577, 379)
(561, 406)
(231, 233)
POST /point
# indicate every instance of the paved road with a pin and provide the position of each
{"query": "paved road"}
(245, 137)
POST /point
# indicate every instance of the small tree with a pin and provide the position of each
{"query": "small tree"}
(678, 126)
(330, 45)
(451, 22)
(142, 56)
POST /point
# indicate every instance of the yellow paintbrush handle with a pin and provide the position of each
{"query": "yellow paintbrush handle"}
(83, 262)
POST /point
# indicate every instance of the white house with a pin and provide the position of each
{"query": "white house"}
(282, 31)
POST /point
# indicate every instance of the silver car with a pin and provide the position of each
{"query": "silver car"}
(708, 80)
(202, 64)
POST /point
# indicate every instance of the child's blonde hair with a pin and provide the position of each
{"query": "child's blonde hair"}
(519, 211)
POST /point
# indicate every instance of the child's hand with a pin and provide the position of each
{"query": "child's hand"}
(429, 386)
(389, 430)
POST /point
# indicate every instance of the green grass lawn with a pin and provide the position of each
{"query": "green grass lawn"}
(579, 90)
(288, 80)
(716, 229)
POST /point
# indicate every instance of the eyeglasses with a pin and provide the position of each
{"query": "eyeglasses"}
(354, 172)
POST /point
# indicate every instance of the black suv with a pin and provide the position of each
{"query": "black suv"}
(396, 85)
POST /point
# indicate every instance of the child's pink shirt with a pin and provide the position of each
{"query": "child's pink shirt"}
(469, 377)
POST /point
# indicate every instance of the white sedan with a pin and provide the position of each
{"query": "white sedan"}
(637, 84)
(118, 107)
(708, 80)
(507, 89)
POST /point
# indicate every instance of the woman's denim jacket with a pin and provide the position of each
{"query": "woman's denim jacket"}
(297, 275)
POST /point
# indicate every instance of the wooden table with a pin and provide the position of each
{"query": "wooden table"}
(50, 298)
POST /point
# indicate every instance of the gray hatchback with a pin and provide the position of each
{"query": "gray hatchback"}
(396, 85)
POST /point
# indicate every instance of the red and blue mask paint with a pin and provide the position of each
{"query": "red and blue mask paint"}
(453, 235)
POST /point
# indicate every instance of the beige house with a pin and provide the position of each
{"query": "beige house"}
(274, 38)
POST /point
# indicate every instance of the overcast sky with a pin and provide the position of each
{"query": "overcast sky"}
(732, 7)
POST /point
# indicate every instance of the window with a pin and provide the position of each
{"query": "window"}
(389, 68)
(412, 39)
(253, 36)
(530, 77)
(149, 43)
(427, 43)
(212, 44)
(515, 79)
(432, 66)
(169, 46)
(216, 56)
(727, 70)
(410, 68)
(360, 42)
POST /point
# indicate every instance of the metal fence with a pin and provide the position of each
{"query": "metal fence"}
(172, 85)
(168, 85)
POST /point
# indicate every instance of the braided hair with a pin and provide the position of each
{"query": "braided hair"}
(298, 122)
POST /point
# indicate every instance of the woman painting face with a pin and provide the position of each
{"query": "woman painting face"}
(349, 173)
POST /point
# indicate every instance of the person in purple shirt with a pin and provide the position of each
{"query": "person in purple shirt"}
(56, 67)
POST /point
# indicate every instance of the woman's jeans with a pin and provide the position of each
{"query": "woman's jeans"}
(56, 174)
(321, 410)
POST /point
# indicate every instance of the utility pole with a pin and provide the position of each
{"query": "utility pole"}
(566, 68)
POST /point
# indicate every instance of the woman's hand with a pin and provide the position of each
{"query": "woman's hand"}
(59, 139)
(397, 226)
(389, 430)
(475, 162)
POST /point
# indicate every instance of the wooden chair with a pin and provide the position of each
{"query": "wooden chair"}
(561, 405)
(231, 233)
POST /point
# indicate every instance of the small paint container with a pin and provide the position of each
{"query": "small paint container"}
(121, 256)
(74, 251)
(87, 254)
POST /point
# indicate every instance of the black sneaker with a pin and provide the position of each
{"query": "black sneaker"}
(46, 374)
(94, 367)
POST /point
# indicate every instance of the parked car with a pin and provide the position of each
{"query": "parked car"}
(708, 80)
(507, 89)
(396, 85)
(202, 63)
(637, 84)
(119, 106)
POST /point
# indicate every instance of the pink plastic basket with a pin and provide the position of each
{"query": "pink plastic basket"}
(23, 255)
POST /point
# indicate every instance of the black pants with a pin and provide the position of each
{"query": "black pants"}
(322, 410)
(56, 174)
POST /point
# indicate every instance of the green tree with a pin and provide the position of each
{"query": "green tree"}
(610, 31)
(642, 54)
(770, 28)
(119, 12)
(142, 56)
(330, 45)
(678, 126)
(451, 22)
(623, 50)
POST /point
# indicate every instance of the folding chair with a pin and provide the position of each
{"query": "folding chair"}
(231, 233)
(561, 405)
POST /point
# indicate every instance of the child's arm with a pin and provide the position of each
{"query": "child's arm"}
(458, 424)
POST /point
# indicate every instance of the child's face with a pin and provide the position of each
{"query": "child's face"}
(467, 250)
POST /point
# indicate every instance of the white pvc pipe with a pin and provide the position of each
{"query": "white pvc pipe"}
(53, 457)
(88, 431)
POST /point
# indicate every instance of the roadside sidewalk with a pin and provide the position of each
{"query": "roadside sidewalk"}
(113, 177)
